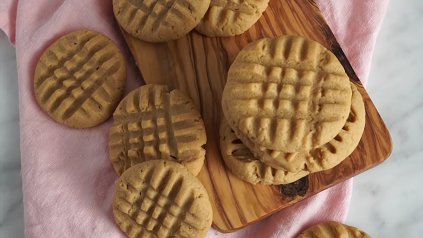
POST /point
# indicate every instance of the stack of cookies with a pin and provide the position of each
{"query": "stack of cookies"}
(289, 109)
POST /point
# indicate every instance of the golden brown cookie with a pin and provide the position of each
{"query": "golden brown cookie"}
(324, 157)
(287, 94)
(246, 166)
(333, 229)
(159, 20)
(231, 17)
(160, 198)
(80, 79)
(153, 123)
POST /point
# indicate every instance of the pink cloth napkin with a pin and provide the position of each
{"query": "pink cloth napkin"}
(67, 177)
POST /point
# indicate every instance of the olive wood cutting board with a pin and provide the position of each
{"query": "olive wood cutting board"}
(198, 66)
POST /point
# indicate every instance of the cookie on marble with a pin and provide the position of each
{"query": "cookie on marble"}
(159, 20)
(152, 123)
(287, 94)
(333, 229)
(243, 164)
(323, 157)
(80, 79)
(231, 17)
(160, 198)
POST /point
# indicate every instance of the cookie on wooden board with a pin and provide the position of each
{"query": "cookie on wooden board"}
(287, 94)
(159, 20)
(231, 17)
(323, 157)
(152, 123)
(246, 166)
(160, 198)
(80, 79)
(333, 229)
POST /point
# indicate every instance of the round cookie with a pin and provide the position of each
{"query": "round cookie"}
(231, 17)
(150, 123)
(323, 157)
(246, 166)
(80, 79)
(160, 198)
(287, 94)
(159, 20)
(333, 229)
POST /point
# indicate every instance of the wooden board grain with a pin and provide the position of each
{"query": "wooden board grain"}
(198, 66)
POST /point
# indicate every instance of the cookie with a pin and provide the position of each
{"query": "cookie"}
(80, 79)
(160, 198)
(231, 17)
(159, 20)
(333, 229)
(326, 156)
(243, 164)
(287, 94)
(152, 123)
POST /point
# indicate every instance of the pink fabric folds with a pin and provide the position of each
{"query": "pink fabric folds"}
(67, 177)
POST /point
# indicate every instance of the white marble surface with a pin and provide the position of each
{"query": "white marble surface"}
(11, 207)
(387, 201)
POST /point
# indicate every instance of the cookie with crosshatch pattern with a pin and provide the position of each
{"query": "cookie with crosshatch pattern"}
(231, 17)
(159, 20)
(152, 123)
(80, 79)
(333, 229)
(160, 198)
(323, 157)
(287, 94)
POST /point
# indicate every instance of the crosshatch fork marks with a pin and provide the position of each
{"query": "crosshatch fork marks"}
(84, 72)
(80, 59)
(159, 12)
(229, 18)
(89, 91)
(305, 116)
(77, 81)
(163, 126)
(159, 199)
(59, 63)
(140, 15)
(159, 20)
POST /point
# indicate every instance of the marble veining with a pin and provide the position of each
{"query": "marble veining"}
(11, 206)
(386, 201)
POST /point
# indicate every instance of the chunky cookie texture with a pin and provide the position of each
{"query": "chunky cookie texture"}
(159, 20)
(152, 123)
(287, 94)
(231, 17)
(243, 164)
(323, 157)
(332, 230)
(80, 79)
(161, 198)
